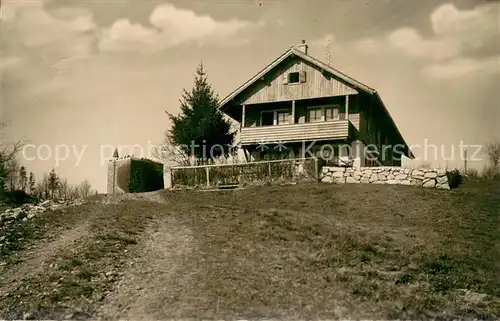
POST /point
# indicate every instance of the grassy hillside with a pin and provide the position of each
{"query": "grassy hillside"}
(317, 251)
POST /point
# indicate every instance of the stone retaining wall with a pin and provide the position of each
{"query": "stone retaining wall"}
(386, 175)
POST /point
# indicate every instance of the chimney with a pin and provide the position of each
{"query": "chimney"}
(302, 47)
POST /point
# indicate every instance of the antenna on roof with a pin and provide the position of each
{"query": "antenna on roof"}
(327, 53)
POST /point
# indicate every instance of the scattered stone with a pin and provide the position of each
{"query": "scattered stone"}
(29, 316)
(28, 211)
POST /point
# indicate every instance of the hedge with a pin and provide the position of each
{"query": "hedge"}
(145, 176)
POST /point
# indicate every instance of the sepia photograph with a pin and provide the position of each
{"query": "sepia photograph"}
(249, 160)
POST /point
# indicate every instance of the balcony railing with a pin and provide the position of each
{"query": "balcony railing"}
(338, 129)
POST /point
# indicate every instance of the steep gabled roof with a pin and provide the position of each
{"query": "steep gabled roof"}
(293, 51)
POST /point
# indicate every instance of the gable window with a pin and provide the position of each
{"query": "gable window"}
(332, 113)
(315, 115)
(293, 77)
(283, 117)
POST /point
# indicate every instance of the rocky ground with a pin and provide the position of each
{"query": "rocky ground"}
(17, 215)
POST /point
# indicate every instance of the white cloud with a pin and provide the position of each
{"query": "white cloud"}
(452, 51)
(460, 67)
(30, 26)
(448, 20)
(455, 32)
(409, 41)
(173, 26)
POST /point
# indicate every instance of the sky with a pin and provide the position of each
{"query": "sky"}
(79, 78)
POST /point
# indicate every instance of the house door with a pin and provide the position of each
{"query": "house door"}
(267, 118)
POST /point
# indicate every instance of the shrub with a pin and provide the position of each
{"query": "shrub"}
(490, 172)
(18, 197)
(454, 178)
(145, 176)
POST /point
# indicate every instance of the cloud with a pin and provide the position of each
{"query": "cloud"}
(29, 28)
(460, 67)
(173, 26)
(456, 32)
(464, 42)
(409, 41)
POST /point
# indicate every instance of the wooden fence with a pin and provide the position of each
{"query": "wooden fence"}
(210, 176)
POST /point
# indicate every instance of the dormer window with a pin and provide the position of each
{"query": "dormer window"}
(293, 77)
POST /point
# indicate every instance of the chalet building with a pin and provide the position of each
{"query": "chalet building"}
(298, 106)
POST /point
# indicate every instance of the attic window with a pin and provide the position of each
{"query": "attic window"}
(293, 77)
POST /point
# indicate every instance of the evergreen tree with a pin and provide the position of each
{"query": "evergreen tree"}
(53, 182)
(200, 130)
(31, 183)
(23, 179)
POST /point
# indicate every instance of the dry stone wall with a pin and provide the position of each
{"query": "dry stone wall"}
(434, 178)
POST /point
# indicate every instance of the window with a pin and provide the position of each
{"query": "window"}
(293, 77)
(315, 115)
(332, 113)
(283, 117)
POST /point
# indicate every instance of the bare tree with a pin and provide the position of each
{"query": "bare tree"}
(84, 189)
(63, 189)
(493, 152)
(171, 155)
(492, 171)
(8, 152)
(73, 192)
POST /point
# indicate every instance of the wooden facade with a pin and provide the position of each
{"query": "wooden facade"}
(298, 99)
(274, 88)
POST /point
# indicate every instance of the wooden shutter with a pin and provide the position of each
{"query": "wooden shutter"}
(285, 78)
(302, 76)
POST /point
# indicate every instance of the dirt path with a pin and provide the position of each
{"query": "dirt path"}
(139, 295)
(34, 260)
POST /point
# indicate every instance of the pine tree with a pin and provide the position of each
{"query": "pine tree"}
(200, 130)
(53, 182)
(31, 183)
(23, 180)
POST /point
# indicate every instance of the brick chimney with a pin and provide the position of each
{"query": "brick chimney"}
(302, 47)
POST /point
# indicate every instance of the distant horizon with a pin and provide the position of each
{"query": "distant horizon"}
(89, 75)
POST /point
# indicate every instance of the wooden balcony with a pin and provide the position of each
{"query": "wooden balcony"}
(330, 130)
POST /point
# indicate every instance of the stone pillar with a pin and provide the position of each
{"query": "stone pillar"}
(111, 176)
(167, 177)
(357, 148)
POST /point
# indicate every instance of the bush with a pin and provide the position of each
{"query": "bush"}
(454, 178)
(145, 176)
(18, 197)
(490, 172)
